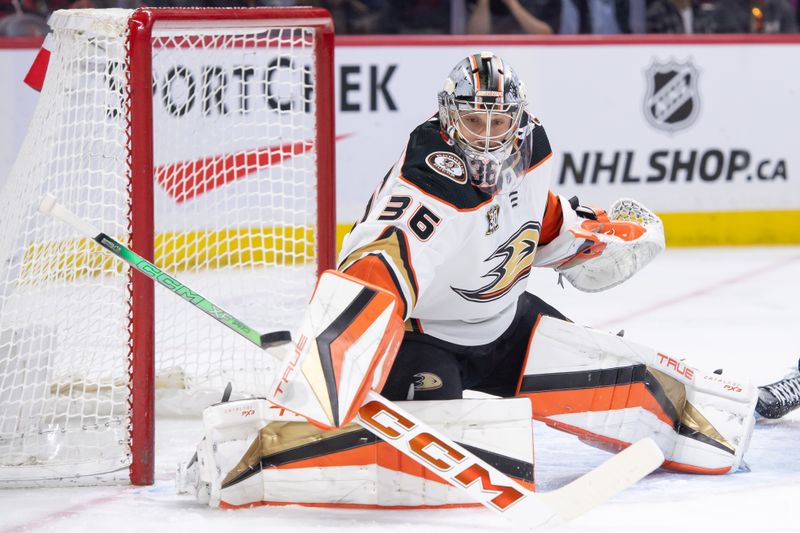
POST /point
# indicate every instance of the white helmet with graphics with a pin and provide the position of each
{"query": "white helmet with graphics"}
(482, 111)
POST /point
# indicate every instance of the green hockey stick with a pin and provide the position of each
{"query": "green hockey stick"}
(50, 206)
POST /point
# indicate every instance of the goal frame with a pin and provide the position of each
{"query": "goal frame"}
(141, 168)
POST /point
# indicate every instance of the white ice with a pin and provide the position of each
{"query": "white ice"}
(734, 308)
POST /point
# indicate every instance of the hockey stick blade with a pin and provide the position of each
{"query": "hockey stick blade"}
(606, 481)
(491, 487)
(50, 206)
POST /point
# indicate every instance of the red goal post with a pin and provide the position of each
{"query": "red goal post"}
(140, 48)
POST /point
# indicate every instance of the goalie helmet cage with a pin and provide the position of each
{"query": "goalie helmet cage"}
(204, 140)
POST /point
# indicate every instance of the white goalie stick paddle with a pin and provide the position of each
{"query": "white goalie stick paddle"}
(415, 439)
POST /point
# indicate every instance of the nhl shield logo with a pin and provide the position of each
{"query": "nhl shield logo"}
(672, 101)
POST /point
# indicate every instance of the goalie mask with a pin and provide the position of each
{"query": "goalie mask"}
(482, 111)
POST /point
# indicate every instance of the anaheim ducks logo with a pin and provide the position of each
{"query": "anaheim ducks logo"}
(517, 259)
(448, 165)
(427, 381)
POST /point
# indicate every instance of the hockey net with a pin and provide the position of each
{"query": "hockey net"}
(203, 140)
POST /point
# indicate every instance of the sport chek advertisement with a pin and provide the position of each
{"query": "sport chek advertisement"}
(700, 131)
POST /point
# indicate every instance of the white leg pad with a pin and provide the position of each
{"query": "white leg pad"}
(283, 459)
(611, 391)
(230, 429)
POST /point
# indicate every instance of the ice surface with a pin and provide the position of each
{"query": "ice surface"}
(735, 308)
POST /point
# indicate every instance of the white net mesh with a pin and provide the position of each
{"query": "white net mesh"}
(236, 205)
(235, 219)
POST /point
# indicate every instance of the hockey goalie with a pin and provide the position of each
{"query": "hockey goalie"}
(431, 294)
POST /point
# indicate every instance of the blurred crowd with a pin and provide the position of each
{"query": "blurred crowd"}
(538, 17)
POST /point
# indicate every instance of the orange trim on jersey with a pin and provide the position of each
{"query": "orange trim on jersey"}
(539, 163)
(470, 209)
(426, 193)
(552, 220)
(372, 269)
(550, 403)
(397, 249)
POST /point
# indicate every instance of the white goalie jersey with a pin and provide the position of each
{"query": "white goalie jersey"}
(456, 257)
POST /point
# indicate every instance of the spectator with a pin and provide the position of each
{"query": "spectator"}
(197, 3)
(755, 16)
(18, 23)
(424, 16)
(6, 8)
(539, 17)
(603, 17)
(23, 25)
(680, 16)
(360, 16)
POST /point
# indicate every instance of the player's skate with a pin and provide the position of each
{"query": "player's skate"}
(779, 398)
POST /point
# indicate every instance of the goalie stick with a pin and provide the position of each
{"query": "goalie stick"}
(453, 463)
(49, 206)
(492, 488)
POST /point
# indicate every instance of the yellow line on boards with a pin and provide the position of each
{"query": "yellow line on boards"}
(722, 228)
(732, 228)
(175, 251)
(203, 249)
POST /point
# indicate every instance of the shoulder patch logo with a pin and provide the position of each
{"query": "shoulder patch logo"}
(448, 165)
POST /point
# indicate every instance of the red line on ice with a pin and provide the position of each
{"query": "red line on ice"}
(48, 519)
(78, 508)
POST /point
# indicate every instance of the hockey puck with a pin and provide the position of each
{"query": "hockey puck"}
(275, 338)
